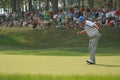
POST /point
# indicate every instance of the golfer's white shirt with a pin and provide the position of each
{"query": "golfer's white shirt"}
(90, 29)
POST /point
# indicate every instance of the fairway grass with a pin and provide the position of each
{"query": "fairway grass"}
(58, 65)
(57, 54)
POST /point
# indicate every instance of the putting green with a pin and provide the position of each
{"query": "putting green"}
(58, 65)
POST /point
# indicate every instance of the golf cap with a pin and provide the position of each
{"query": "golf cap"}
(81, 18)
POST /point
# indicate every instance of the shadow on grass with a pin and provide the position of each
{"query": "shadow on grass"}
(107, 65)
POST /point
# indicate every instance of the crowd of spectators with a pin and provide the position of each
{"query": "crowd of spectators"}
(65, 19)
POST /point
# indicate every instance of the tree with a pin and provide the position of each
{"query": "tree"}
(119, 3)
(47, 4)
(110, 4)
(13, 5)
(55, 5)
(91, 3)
(83, 3)
(70, 2)
(79, 1)
(30, 4)
(64, 4)
(115, 4)
(20, 5)
(39, 4)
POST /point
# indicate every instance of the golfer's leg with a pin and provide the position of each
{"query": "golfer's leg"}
(89, 47)
(93, 46)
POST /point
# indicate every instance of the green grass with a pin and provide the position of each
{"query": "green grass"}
(58, 65)
(25, 38)
(63, 52)
(44, 77)
(23, 67)
(56, 42)
(57, 54)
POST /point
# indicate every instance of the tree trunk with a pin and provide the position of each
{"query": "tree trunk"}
(30, 4)
(64, 4)
(119, 4)
(79, 1)
(82, 3)
(110, 4)
(18, 6)
(13, 5)
(115, 4)
(70, 2)
(39, 4)
(91, 3)
(26, 6)
(55, 5)
(47, 4)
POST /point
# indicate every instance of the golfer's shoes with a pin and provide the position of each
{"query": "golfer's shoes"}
(90, 62)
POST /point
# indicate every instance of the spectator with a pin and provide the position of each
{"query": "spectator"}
(117, 13)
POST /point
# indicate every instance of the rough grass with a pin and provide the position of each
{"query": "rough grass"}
(76, 51)
(25, 38)
(44, 77)
(56, 41)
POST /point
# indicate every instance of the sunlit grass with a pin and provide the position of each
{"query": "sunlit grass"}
(59, 65)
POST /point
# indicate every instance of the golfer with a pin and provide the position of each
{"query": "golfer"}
(92, 30)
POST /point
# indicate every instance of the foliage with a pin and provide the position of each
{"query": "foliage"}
(18, 5)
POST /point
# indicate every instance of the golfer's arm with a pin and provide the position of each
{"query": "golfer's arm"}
(96, 26)
(81, 32)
